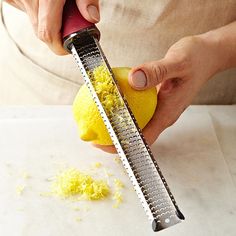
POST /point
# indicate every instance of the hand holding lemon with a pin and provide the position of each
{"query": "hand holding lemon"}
(90, 124)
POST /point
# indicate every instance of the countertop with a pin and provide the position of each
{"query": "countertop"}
(197, 156)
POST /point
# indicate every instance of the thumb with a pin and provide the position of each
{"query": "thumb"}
(89, 9)
(153, 73)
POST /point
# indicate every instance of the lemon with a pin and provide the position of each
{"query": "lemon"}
(90, 124)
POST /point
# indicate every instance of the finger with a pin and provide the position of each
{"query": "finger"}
(49, 24)
(89, 9)
(150, 133)
(155, 127)
(151, 74)
(16, 4)
(31, 9)
(106, 148)
(173, 98)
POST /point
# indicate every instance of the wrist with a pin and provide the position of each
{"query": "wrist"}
(215, 47)
(223, 41)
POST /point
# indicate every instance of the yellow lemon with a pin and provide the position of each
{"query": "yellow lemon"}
(90, 124)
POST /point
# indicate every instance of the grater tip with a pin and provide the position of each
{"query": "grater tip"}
(180, 215)
(156, 226)
(159, 224)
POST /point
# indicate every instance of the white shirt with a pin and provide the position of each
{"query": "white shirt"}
(132, 32)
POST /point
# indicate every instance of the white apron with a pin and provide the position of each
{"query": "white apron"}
(132, 32)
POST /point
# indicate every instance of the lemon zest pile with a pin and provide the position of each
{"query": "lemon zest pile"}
(25, 175)
(72, 182)
(107, 173)
(20, 189)
(45, 194)
(118, 198)
(87, 208)
(78, 219)
(76, 208)
(97, 164)
(118, 184)
(105, 89)
(117, 160)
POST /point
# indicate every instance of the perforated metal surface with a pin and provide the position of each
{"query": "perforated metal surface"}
(134, 152)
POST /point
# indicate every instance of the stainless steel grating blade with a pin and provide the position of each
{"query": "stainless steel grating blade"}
(136, 156)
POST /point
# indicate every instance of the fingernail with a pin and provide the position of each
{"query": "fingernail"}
(139, 79)
(93, 12)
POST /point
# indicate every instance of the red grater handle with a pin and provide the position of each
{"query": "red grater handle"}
(73, 23)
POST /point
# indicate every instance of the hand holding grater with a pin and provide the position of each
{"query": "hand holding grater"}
(81, 38)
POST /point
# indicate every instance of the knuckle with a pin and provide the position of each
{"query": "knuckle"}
(184, 62)
(182, 54)
(60, 52)
(171, 122)
(12, 2)
(158, 73)
(189, 40)
(35, 26)
(44, 35)
(174, 117)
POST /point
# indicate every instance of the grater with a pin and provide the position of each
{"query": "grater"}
(81, 38)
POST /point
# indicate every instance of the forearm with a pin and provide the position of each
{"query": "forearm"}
(224, 41)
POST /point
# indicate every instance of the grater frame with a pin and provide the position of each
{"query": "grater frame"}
(143, 170)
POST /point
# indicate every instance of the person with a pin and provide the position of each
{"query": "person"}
(185, 44)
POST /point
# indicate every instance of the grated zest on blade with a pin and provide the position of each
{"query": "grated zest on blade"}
(143, 170)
